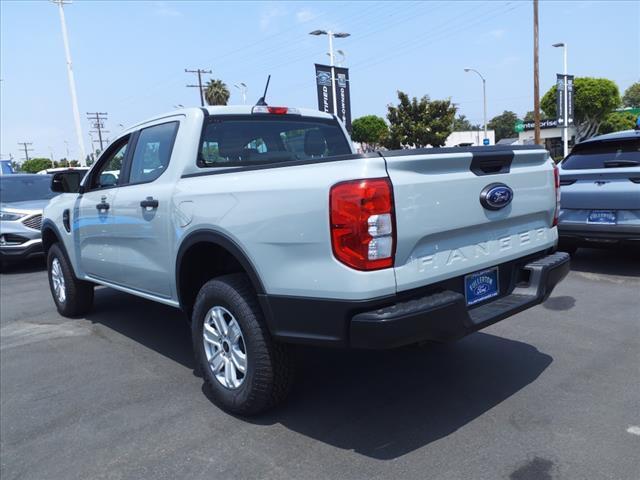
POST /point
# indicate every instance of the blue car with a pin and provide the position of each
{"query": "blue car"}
(600, 192)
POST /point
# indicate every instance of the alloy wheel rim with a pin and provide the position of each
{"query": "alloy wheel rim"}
(224, 347)
(57, 278)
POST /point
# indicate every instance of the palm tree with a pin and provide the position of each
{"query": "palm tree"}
(216, 92)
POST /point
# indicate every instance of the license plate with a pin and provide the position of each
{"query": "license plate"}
(480, 286)
(607, 217)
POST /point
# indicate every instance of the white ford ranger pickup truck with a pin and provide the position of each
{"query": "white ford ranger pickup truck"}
(266, 228)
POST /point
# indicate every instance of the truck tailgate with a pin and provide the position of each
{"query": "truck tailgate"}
(442, 228)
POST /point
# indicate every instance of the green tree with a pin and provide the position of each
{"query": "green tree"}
(503, 124)
(618, 121)
(631, 97)
(216, 92)
(529, 116)
(62, 163)
(594, 99)
(419, 123)
(34, 165)
(369, 130)
(462, 124)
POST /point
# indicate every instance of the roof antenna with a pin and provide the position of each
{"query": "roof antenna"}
(261, 100)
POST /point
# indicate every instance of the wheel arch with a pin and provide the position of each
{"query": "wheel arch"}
(50, 235)
(214, 241)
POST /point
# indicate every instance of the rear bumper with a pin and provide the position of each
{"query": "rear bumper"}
(588, 236)
(573, 227)
(437, 313)
(444, 316)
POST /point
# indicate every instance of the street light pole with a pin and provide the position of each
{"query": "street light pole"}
(243, 91)
(484, 97)
(332, 34)
(565, 126)
(72, 82)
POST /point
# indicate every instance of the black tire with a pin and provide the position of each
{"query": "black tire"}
(78, 293)
(270, 368)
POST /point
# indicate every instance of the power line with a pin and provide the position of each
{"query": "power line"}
(199, 71)
(25, 145)
(97, 119)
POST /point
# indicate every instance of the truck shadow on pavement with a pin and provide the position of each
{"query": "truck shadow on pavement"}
(385, 404)
(381, 404)
(621, 261)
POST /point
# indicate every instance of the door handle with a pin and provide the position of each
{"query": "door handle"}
(150, 202)
(102, 206)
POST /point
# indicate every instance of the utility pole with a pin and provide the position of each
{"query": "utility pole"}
(72, 82)
(26, 145)
(97, 118)
(536, 79)
(199, 71)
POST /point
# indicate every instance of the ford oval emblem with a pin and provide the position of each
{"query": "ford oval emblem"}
(496, 196)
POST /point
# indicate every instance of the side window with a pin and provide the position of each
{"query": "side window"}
(108, 171)
(152, 153)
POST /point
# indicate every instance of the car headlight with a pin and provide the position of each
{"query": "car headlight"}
(10, 216)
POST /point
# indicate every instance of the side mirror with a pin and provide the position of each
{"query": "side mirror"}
(66, 182)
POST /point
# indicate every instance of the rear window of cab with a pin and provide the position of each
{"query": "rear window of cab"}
(245, 140)
(611, 154)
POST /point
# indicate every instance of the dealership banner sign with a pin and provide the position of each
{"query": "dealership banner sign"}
(324, 83)
(343, 100)
(560, 96)
(334, 96)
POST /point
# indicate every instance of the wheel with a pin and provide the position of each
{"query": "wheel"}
(246, 371)
(72, 297)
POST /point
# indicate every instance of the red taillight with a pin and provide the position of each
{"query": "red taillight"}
(363, 223)
(278, 110)
(556, 179)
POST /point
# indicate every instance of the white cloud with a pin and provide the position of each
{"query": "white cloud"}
(164, 10)
(305, 15)
(497, 33)
(269, 15)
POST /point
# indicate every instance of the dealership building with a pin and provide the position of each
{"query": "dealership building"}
(550, 134)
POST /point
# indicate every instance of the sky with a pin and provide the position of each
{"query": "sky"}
(129, 56)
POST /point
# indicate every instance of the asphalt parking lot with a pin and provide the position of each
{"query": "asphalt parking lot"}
(552, 393)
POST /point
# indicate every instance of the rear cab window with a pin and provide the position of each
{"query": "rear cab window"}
(606, 154)
(246, 140)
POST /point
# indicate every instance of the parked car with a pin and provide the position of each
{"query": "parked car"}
(6, 168)
(267, 229)
(22, 199)
(600, 189)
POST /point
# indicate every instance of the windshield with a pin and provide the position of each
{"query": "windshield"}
(261, 139)
(18, 188)
(604, 155)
